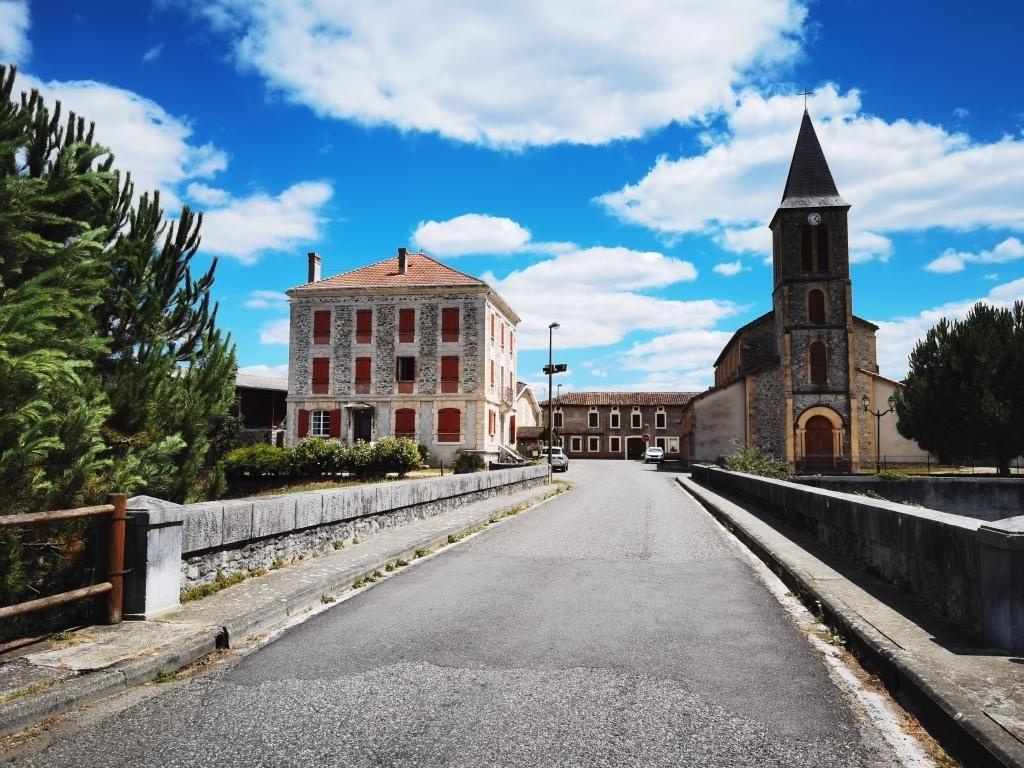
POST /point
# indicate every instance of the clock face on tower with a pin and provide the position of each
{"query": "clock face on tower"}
(814, 219)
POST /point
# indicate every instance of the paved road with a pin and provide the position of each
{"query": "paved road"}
(614, 626)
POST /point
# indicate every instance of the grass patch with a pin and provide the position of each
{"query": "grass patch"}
(220, 582)
(277, 564)
(163, 676)
(359, 583)
(390, 567)
(356, 541)
(338, 544)
(27, 691)
(422, 553)
(326, 599)
(401, 563)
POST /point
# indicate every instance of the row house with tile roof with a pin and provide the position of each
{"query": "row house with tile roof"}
(617, 425)
(405, 347)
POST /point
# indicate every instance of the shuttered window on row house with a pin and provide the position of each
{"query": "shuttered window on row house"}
(450, 324)
(321, 375)
(322, 327)
(450, 374)
(405, 423)
(364, 326)
(320, 423)
(363, 379)
(406, 326)
(449, 425)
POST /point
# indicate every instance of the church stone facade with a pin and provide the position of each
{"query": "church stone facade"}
(791, 382)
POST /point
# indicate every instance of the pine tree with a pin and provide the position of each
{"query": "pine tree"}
(963, 396)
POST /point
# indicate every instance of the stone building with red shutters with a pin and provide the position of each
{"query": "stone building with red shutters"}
(405, 347)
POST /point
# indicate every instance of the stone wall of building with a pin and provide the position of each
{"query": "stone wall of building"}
(768, 412)
(575, 423)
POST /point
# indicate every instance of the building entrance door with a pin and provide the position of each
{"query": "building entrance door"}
(362, 425)
(635, 447)
(820, 444)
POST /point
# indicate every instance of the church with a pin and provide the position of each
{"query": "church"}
(798, 381)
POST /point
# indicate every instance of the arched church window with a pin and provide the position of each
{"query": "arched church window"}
(816, 306)
(822, 248)
(819, 362)
(806, 257)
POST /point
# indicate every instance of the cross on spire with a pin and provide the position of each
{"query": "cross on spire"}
(805, 93)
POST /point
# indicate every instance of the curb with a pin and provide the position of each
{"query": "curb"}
(966, 731)
(24, 712)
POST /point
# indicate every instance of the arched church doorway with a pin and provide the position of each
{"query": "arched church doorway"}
(818, 439)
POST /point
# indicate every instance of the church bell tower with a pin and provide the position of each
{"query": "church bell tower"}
(812, 304)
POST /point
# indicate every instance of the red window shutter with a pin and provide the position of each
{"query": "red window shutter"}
(336, 423)
(494, 319)
(512, 427)
(321, 375)
(450, 373)
(322, 327)
(492, 373)
(362, 375)
(450, 324)
(406, 325)
(303, 423)
(502, 335)
(512, 341)
(405, 422)
(364, 326)
(448, 426)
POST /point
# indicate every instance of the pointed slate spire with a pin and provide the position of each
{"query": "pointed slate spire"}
(810, 183)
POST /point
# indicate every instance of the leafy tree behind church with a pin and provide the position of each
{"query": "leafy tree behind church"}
(113, 372)
(964, 395)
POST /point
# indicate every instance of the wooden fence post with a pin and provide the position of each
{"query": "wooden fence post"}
(115, 563)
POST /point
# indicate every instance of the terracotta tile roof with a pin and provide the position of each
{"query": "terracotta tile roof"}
(624, 398)
(421, 270)
(528, 433)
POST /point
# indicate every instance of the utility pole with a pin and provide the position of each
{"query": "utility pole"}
(551, 373)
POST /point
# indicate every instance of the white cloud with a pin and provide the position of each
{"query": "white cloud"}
(951, 261)
(899, 176)
(598, 373)
(14, 22)
(896, 338)
(275, 332)
(728, 268)
(514, 73)
(471, 233)
(265, 370)
(596, 295)
(153, 53)
(266, 300)
(207, 195)
(961, 113)
(153, 144)
(247, 227)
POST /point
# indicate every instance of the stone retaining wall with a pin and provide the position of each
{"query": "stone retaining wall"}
(983, 498)
(175, 547)
(969, 570)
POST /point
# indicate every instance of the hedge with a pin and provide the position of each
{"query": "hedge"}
(316, 457)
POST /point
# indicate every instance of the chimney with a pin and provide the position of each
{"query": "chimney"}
(403, 261)
(314, 267)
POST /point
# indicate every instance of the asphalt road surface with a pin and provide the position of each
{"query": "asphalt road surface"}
(616, 625)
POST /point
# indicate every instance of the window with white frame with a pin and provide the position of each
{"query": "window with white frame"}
(637, 420)
(575, 444)
(558, 419)
(614, 444)
(673, 445)
(320, 424)
(593, 444)
(593, 419)
(660, 420)
(613, 419)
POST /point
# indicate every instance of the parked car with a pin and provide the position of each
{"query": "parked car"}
(559, 461)
(654, 454)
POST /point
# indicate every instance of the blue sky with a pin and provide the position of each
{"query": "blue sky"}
(608, 165)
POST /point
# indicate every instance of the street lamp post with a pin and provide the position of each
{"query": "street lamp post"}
(551, 373)
(865, 403)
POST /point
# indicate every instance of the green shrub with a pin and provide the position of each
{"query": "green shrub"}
(261, 460)
(395, 455)
(359, 460)
(314, 457)
(424, 453)
(466, 462)
(750, 460)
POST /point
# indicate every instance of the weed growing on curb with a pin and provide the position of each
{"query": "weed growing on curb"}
(389, 567)
(401, 563)
(356, 540)
(326, 599)
(452, 538)
(277, 564)
(27, 691)
(359, 583)
(422, 553)
(59, 637)
(338, 544)
(163, 676)
(258, 572)
(220, 582)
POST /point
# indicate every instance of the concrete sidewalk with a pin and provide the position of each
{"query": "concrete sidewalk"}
(73, 668)
(970, 696)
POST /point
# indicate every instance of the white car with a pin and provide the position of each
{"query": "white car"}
(559, 461)
(654, 454)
